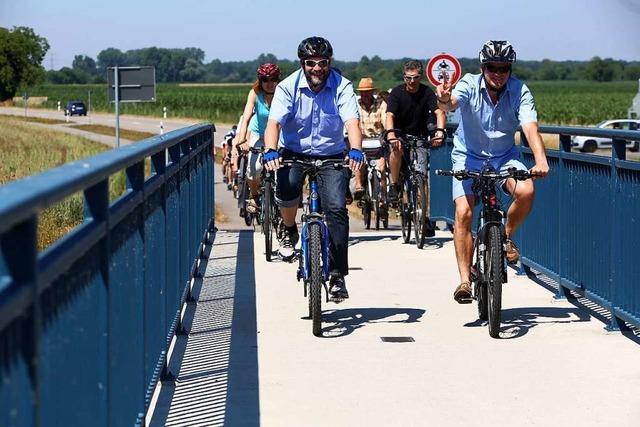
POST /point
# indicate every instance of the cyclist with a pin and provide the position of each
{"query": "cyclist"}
(227, 145)
(311, 107)
(492, 105)
(253, 124)
(372, 116)
(410, 108)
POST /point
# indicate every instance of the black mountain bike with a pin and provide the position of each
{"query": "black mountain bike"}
(269, 213)
(489, 269)
(413, 198)
(374, 201)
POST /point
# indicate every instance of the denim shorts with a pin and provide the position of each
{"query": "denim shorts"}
(462, 188)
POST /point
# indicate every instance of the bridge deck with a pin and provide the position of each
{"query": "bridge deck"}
(251, 358)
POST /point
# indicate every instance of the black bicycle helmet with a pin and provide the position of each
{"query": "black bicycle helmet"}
(497, 51)
(315, 46)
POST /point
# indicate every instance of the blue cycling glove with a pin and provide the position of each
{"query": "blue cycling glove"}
(270, 155)
(356, 155)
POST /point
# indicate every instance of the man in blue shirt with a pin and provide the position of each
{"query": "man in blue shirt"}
(492, 105)
(309, 112)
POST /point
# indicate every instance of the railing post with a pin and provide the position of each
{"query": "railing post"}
(564, 147)
(523, 270)
(618, 152)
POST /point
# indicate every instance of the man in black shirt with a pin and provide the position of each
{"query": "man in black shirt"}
(410, 107)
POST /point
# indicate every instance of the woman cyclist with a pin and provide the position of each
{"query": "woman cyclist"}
(254, 123)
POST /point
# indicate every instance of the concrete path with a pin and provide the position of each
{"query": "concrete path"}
(555, 364)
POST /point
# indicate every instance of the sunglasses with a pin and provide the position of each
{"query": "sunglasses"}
(323, 63)
(411, 78)
(497, 69)
(270, 80)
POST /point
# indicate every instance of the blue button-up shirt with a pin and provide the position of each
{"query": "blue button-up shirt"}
(313, 123)
(487, 130)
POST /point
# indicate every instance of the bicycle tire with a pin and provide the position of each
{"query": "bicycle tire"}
(405, 212)
(316, 277)
(481, 295)
(375, 199)
(248, 216)
(419, 211)
(366, 213)
(267, 219)
(496, 279)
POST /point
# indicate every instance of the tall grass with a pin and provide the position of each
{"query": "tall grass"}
(26, 150)
(558, 102)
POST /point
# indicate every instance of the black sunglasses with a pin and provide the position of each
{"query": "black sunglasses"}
(323, 63)
(412, 78)
(498, 69)
(269, 79)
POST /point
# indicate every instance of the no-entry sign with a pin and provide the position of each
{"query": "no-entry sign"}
(443, 66)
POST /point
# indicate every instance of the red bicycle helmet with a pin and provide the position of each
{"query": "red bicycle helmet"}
(268, 70)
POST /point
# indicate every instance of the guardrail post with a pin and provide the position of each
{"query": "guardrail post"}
(618, 152)
(564, 147)
(19, 251)
(523, 270)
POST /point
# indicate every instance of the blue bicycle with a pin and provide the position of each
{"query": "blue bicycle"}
(313, 262)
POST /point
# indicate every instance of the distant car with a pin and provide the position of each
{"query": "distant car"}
(74, 108)
(589, 144)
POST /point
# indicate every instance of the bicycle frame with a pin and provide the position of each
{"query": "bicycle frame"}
(314, 216)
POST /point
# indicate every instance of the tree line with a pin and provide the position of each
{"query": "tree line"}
(187, 65)
(22, 52)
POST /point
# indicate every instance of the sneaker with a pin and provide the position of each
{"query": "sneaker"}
(288, 243)
(430, 230)
(392, 195)
(348, 197)
(229, 187)
(357, 195)
(513, 254)
(338, 289)
(253, 206)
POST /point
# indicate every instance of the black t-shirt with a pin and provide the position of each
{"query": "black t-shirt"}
(412, 111)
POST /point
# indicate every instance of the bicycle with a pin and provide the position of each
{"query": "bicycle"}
(413, 198)
(269, 212)
(313, 262)
(375, 197)
(489, 270)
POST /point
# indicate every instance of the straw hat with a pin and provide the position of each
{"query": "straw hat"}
(366, 83)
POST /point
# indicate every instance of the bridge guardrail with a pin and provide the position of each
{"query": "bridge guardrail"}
(85, 325)
(584, 229)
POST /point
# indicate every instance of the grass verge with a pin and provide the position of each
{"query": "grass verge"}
(132, 135)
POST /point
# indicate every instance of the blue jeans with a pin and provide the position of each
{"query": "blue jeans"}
(332, 186)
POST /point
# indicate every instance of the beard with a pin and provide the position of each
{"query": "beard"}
(316, 80)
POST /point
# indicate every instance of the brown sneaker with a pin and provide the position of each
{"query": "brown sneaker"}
(462, 294)
(513, 254)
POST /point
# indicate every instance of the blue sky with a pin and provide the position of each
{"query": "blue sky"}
(242, 29)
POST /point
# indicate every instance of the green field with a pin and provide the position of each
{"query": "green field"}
(558, 102)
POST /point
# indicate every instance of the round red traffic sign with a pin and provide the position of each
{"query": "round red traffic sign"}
(441, 66)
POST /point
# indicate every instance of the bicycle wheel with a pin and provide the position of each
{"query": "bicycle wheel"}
(375, 197)
(248, 216)
(366, 212)
(405, 211)
(496, 279)
(316, 277)
(419, 211)
(267, 219)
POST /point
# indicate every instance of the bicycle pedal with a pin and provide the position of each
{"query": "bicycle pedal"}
(336, 300)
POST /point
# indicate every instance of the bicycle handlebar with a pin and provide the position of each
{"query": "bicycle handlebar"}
(514, 173)
(317, 163)
(407, 139)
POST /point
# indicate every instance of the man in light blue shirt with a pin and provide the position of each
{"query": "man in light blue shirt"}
(309, 112)
(492, 105)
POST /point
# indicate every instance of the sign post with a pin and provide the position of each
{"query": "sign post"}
(443, 66)
(130, 84)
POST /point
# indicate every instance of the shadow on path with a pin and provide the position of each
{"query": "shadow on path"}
(348, 320)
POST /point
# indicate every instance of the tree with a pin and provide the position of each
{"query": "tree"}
(84, 64)
(599, 70)
(21, 55)
(110, 58)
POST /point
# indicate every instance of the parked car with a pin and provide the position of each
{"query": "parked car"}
(589, 144)
(75, 108)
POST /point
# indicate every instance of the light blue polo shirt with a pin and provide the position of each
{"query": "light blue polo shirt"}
(486, 130)
(313, 123)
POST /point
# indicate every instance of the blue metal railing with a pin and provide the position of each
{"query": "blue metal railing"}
(584, 230)
(85, 325)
